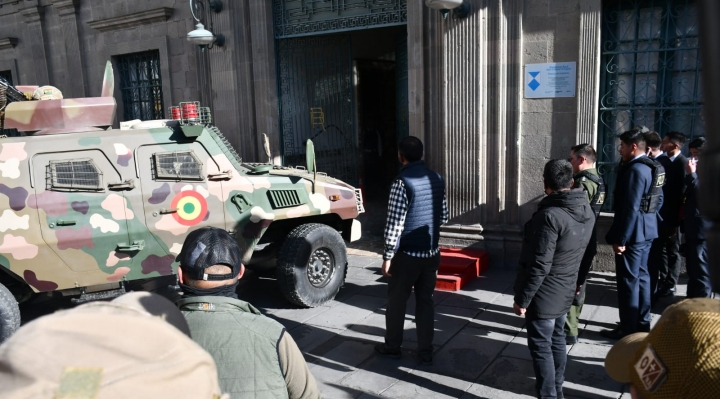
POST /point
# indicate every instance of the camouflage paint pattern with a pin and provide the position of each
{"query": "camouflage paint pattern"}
(36, 245)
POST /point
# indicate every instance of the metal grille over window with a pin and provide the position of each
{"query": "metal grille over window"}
(178, 165)
(651, 74)
(75, 175)
(141, 85)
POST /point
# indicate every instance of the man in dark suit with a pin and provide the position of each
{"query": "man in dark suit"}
(631, 235)
(696, 227)
(666, 249)
(659, 252)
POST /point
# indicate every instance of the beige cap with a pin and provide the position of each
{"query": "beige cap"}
(106, 350)
(679, 358)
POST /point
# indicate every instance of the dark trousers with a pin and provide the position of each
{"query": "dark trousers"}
(664, 262)
(546, 341)
(410, 272)
(633, 286)
(699, 283)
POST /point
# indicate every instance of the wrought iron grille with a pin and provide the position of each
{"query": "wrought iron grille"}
(650, 77)
(141, 85)
(316, 72)
(308, 17)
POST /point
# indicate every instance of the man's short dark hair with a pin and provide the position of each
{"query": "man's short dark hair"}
(698, 143)
(677, 138)
(652, 139)
(585, 150)
(634, 136)
(411, 148)
(558, 174)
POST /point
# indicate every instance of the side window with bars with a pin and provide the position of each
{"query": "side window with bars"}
(75, 175)
(650, 75)
(177, 165)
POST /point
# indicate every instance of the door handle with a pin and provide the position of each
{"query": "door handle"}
(167, 211)
(126, 185)
(61, 222)
(226, 175)
(138, 245)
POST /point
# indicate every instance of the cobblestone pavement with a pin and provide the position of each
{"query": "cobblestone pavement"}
(481, 346)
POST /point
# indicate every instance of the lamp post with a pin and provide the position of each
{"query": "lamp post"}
(202, 37)
(459, 8)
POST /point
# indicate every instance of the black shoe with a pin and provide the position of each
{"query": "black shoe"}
(666, 292)
(617, 333)
(426, 359)
(571, 340)
(382, 350)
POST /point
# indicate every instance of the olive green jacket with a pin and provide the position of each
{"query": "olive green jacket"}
(255, 356)
(586, 184)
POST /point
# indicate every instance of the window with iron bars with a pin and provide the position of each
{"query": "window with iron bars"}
(7, 76)
(141, 85)
(650, 76)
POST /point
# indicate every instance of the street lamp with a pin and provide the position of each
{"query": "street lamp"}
(202, 37)
(459, 8)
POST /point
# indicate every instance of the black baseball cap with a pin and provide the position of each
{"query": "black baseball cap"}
(207, 247)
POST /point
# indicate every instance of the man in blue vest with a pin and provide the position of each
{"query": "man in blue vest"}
(254, 354)
(634, 227)
(416, 209)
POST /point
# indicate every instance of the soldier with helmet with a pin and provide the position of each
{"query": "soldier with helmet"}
(585, 177)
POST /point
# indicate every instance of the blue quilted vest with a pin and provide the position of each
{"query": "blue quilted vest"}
(425, 190)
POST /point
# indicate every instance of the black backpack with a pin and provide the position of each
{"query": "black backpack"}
(650, 202)
(597, 201)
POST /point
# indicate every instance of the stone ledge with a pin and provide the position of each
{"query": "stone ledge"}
(127, 21)
(7, 43)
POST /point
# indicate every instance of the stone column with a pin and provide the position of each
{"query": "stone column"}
(588, 70)
(76, 86)
(264, 77)
(33, 16)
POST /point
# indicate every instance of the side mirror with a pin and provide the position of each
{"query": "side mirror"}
(310, 156)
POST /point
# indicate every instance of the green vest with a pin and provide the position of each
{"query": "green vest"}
(243, 342)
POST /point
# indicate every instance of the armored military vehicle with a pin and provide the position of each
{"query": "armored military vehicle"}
(85, 208)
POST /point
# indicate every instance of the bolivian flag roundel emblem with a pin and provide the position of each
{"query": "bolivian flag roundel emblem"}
(191, 208)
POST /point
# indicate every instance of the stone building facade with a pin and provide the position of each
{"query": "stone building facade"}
(464, 82)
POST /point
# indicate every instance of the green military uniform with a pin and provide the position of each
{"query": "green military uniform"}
(573, 317)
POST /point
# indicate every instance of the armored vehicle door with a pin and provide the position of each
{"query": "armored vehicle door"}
(182, 191)
(82, 209)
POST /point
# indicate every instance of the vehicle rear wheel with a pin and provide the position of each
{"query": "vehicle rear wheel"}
(9, 314)
(312, 265)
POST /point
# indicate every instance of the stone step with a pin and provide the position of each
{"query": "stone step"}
(458, 267)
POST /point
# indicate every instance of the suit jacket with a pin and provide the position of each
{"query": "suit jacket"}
(673, 192)
(630, 224)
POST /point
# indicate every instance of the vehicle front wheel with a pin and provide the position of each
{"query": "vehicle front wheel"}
(9, 314)
(312, 265)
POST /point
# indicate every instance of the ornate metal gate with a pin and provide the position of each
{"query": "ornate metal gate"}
(651, 74)
(309, 17)
(316, 102)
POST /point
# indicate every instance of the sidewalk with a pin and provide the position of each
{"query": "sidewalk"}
(481, 346)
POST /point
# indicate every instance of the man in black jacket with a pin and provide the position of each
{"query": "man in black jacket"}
(554, 242)
(696, 226)
(665, 250)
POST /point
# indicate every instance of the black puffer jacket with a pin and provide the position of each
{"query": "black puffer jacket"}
(553, 245)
